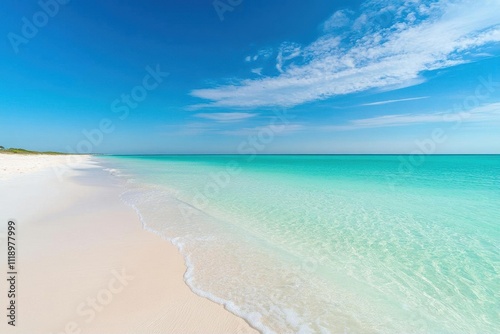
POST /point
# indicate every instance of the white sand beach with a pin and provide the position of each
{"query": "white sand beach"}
(84, 263)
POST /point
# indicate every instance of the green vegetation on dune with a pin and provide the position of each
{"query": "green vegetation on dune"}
(23, 151)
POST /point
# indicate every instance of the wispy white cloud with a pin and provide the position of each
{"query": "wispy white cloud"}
(486, 113)
(387, 46)
(257, 71)
(226, 117)
(378, 103)
(222, 126)
(286, 129)
(186, 129)
(288, 51)
(340, 18)
(261, 54)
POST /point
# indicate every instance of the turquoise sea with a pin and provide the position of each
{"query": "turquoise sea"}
(331, 244)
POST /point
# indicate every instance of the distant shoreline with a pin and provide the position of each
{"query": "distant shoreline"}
(28, 152)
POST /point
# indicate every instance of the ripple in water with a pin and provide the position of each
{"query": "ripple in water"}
(332, 244)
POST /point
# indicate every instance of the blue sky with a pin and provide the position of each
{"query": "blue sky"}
(246, 76)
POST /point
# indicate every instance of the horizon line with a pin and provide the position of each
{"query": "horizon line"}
(285, 154)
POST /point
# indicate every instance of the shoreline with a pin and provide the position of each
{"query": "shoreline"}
(117, 276)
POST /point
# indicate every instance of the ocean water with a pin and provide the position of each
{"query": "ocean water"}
(331, 244)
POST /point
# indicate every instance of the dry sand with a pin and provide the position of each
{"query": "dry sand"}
(84, 263)
(14, 165)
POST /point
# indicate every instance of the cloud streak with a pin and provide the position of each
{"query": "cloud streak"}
(373, 54)
(226, 117)
(287, 129)
(485, 113)
(378, 103)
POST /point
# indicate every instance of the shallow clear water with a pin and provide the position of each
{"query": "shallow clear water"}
(326, 244)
